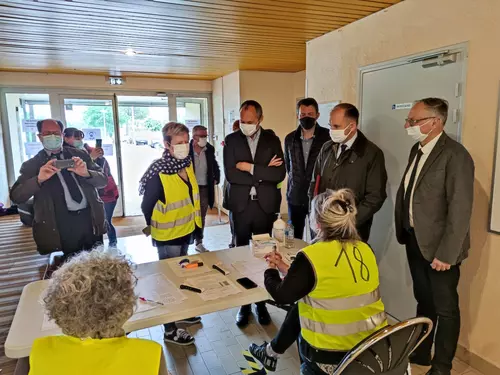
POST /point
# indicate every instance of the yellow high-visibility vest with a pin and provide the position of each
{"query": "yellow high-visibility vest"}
(345, 305)
(62, 355)
(178, 216)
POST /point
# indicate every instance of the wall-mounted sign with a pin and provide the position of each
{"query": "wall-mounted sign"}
(33, 148)
(29, 126)
(92, 134)
(402, 106)
(324, 112)
(191, 123)
(108, 149)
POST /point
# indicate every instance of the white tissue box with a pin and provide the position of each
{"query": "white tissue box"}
(263, 244)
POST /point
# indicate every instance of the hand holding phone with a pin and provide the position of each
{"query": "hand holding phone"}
(98, 143)
(64, 164)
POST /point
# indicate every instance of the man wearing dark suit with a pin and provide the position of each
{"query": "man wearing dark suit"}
(432, 213)
(253, 164)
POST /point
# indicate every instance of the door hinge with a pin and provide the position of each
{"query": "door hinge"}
(456, 115)
(458, 89)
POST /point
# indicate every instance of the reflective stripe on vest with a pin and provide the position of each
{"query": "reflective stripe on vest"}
(179, 215)
(345, 305)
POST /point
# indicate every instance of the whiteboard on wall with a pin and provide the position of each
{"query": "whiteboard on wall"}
(324, 112)
(495, 187)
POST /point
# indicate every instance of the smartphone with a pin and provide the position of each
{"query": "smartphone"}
(98, 143)
(63, 164)
(246, 283)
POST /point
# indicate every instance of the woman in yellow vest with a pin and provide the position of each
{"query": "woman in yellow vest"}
(336, 283)
(90, 298)
(171, 207)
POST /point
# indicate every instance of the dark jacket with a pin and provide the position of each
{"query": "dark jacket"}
(299, 175)
(442, 202)
(361, 168)
(265, 178)
(213, 171)
(45, 231)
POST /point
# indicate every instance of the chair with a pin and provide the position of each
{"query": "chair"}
(386, 351)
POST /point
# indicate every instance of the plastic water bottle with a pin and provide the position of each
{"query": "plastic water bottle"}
(289, 235)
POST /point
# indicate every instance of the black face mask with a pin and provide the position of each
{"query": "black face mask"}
(307, 122)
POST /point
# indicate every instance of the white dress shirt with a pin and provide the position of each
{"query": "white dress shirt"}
(426, 150)
(349, 144)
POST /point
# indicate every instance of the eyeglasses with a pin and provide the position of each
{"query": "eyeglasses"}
(416, 122)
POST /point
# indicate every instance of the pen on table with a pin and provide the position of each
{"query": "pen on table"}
(221, 270)
(191, 288)
(150, 300)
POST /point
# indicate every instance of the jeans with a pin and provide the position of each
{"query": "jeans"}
(288, 332)
(166, 252)
(198, 234)
(109, 208)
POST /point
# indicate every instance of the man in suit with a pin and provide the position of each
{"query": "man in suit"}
(350, 160)
(432, 213)
(68, 213)
(253, 164)
(302, 147)
(207, 173)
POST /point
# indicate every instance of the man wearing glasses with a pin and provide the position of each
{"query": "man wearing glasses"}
(432, 211)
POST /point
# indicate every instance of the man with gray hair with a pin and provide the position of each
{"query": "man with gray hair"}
(207, 173)
(432, 211)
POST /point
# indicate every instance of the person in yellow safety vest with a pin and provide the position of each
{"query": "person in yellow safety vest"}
(90, 298)
(336, 283)
(171, 207)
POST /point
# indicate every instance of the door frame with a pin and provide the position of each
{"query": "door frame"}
(462, 48)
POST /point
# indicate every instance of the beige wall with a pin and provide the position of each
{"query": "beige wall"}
(78, 81)
(411, 27)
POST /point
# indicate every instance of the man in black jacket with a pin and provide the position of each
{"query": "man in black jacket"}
(302, 147)
(351, 161)
(253, 164)
(68, 214)
(207, 173)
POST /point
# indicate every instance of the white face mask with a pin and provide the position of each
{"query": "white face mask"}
(338, 135)
(248, 129)
(202, 142)
(416, 133)
(181, 151)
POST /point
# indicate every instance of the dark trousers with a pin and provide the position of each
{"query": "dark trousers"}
(298, 215)
(252, 220)
(437, 299)
(198, 234)
(289, 331)
(231, 226)
(109, 208)
(76, 232)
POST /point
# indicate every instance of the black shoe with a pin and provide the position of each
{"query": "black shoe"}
(421, 360)
(438, 372)
(243, 315)
(263, 316)
(194, 320)
(179, 337)
(260, 354)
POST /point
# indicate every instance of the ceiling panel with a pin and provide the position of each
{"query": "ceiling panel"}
(201, 39)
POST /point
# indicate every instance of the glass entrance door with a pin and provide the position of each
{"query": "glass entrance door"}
(94, 115)
(141, 119)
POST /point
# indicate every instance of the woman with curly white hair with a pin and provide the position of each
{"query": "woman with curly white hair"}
(335, 283)
(90, 298)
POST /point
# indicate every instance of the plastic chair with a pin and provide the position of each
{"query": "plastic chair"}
(386, 351)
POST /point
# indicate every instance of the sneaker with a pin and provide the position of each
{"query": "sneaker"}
(260, 354)
(179, 337)
(193, 320)
(200, 248)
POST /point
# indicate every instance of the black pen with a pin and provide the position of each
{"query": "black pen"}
(216, 267)
(191, 288)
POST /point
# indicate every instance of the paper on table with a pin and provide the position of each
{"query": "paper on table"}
(215, 286)
(250, 267)
(158, 288)
(187, 272)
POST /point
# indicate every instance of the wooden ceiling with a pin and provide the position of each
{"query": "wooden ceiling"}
(201, 39)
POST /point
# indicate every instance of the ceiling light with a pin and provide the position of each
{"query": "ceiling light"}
(130, 52)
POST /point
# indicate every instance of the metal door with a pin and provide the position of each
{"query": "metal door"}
(387, 93)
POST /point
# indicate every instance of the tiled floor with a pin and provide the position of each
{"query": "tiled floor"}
(219, 343)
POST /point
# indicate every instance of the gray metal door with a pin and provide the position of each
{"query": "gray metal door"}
(386, 93)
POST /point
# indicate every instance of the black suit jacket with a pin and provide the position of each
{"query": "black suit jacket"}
(265, 179)
(442, 202)
(213, 171)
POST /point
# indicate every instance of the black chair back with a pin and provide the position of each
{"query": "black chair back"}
(386, 351)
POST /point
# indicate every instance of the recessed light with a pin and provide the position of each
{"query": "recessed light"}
(130, 52)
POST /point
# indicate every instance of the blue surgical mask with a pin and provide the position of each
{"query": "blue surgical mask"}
(78, 143)
(52, 142)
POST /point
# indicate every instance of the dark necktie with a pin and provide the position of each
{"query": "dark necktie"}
(343, 147)
(73, 188)
(409, 190)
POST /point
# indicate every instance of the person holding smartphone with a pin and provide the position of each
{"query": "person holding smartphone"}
(68, 214)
